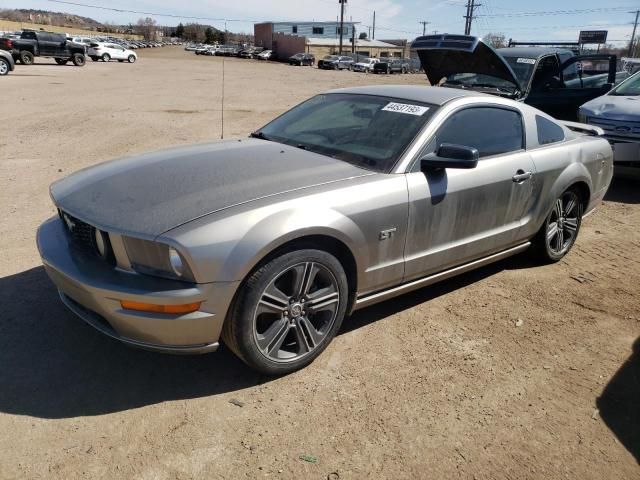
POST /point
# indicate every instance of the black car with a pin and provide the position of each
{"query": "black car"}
(302, 59)
(392, 65)
(45, 44)
(554, 80)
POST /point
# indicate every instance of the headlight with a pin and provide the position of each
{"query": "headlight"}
(176, 262)
(158, 259)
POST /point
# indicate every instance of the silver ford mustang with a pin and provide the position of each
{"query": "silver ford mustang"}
(350, 198)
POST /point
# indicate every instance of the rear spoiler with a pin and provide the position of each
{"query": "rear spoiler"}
(583, 128)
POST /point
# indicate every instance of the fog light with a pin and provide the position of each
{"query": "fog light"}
(154, 308)
(176, 262)
(100, 243)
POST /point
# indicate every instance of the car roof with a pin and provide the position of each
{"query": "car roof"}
(416, 93)
(531, 51)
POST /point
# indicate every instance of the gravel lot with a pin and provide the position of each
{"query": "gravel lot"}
(514, 371)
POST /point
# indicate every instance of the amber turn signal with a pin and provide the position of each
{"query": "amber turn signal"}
(154, 308)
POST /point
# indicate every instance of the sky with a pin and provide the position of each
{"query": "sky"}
(543, 20)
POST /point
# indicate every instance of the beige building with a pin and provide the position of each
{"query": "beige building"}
(287, 45)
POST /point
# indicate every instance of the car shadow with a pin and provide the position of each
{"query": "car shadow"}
(625, 186)
(619, 403)
(53, 365)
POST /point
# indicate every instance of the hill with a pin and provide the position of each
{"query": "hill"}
(43, 17)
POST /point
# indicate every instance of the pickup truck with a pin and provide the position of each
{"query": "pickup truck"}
(44, 44)
(554, 80)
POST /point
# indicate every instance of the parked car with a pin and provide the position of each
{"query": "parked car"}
(365, 65)
(265, 55)
(392, 65)
(6, 63)
(555, 80)
(111, 51)
(44, 44)
(269, 242)
(335, 62)
(618, 114)
(302, 59)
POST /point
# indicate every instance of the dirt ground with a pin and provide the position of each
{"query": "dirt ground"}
(515, 371)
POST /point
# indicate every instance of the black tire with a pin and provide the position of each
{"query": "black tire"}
(26, 57)
(120, 61)
(78, 59)
(106, 57)
(61, 61)
(552, 247)
(5, 68)
(131, 59)
(241, 330)
(95, 59)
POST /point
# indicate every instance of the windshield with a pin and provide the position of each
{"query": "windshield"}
(473, 80)
(365, 130)
(522, 67)
(630, 87)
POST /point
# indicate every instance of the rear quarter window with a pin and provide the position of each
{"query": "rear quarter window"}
(548, 131)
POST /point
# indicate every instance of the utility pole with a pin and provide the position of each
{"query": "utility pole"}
(424, 27)
(471, 6)
(632, 45)
(373, 33)
(342, 2)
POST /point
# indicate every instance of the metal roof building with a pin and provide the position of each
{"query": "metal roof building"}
(265, 32)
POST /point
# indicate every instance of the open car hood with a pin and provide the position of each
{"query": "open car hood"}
(445, 55)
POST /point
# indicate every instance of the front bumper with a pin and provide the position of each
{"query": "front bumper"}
(93, 289)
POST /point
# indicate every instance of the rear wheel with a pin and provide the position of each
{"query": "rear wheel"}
(78, 59)
(4, 67)
(26, 57)
(288, 311)
(106, 57)
(131, 59)
(560, 229)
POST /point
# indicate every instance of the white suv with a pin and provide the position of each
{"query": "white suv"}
(110, 51)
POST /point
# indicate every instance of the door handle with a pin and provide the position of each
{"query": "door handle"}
(521, 176)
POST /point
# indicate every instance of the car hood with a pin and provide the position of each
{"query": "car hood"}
(152, 193)
(445, 55)
(614, 107)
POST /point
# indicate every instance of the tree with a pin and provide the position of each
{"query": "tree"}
(180, 30)
(362, 36)
(496, 40)
(209, 35)
(146, 28)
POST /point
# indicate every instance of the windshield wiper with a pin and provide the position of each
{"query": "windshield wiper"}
(260, 135)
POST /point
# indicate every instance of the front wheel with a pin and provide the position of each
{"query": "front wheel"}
(131, 59)
(288, 311)
(560, 229)
(78, 60)
(106, 57)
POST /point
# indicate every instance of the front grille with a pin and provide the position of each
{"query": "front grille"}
(616, 128)
(83, 236)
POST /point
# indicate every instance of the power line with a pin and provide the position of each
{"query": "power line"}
(556, 12)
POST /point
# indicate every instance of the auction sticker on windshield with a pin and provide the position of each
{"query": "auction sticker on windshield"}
(530, 61)
(417, 110)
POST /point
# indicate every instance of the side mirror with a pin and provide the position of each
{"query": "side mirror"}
(450, 156)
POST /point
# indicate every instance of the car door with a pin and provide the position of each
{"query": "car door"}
(578, 80)
(47, 45)
(457, 215)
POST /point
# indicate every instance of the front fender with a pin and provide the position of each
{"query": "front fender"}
(228, 248)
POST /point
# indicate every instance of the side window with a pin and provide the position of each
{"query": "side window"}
(29, 35)
(548, 131)
(547, 73)
(493, 131)
(588, 73)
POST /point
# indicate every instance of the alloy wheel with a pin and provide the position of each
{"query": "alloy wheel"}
(4, 67)
(296, 312)
(563, 223)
